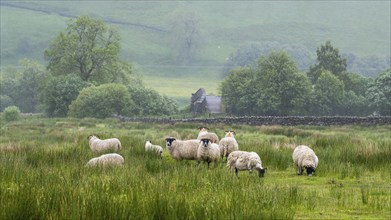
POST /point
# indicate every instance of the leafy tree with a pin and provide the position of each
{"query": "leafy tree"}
(89, 49)
(149, 102)
(238, 92)
(281, 89)
(184, 35)
(26, 95)
(328, 59)
(5, 101)
(379, 93)
(59, 92)
(102, 102)
(329, 93)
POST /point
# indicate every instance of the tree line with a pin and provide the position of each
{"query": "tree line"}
(85, 77)
(275, 87)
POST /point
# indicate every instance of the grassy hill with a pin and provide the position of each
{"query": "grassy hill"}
(358, 27)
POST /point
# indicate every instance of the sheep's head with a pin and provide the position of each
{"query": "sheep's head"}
(310, 170)
(169, 141)
(205, 141)
(261, 171)
(91, 136)
(229, 133)
(203, 129)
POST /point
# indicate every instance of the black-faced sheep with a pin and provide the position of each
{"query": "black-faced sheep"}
(208, 152)
(243, 160)
(305, 158)
(98, 146)
(182, 150)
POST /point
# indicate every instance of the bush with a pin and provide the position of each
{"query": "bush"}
(102, 102)
(59, 93)
(11, 113)
(5, 101)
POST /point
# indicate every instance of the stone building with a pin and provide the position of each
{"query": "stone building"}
(202, 103)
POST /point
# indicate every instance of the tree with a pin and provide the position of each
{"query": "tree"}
(379, 93)
(239, 93)
(89, 49)
(150, 102)
(59, 93)
(102, 101)
(184, 36)
(328, 59)
(329, 93)
(28, 86)
(281, 89)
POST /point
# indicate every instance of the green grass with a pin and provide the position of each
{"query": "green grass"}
(43, 175)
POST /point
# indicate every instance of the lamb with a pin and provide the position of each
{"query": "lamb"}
(305, 158)
(205, 134)
(228, 144)
(104, 160)
(182, 149)
(243, 160)
(98, 146)
(208, 152)
(154, 148)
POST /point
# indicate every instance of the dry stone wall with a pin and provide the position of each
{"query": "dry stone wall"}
(270, 120)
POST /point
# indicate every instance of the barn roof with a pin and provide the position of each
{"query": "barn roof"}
(201, 103)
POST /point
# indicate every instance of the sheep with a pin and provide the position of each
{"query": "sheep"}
(182, 149)
(243, 160)
(208, 152)
(104, 160)
(98, 146)
(154, 148)
(305, 157)
(228, 144)
(205, 134)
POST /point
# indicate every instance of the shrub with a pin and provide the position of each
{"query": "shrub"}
(59, 93)
(11, 113)
(102, 102)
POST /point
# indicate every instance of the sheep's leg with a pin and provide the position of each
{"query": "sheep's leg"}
(236, 172)
(300, 172)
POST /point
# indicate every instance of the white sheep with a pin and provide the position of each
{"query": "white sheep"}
(182, 149)
(208, 152)
(205, 134)
(228, 144)
(149, 147)
(98, 146)
(243, 160)
(104, 160)
(305, 158)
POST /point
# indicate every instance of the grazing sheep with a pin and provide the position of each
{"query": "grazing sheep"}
(182, 150)
(205, 134)
(154, 148)
(208, 152)
(305, 158)
(243, 160)
(104, 160)
(98, 146)
(228, 144)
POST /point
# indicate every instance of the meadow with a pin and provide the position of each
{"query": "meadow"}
(42, 173)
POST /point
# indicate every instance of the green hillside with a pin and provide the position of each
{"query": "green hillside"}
(358, 27)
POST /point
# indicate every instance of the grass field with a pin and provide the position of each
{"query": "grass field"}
(42, 173)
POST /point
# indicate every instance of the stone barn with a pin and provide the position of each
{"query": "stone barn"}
(202, 103)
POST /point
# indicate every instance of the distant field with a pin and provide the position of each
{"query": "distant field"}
(43, 175)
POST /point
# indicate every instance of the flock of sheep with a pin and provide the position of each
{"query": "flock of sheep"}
(206, 148)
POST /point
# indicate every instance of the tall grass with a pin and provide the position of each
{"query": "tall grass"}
(42, 174)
